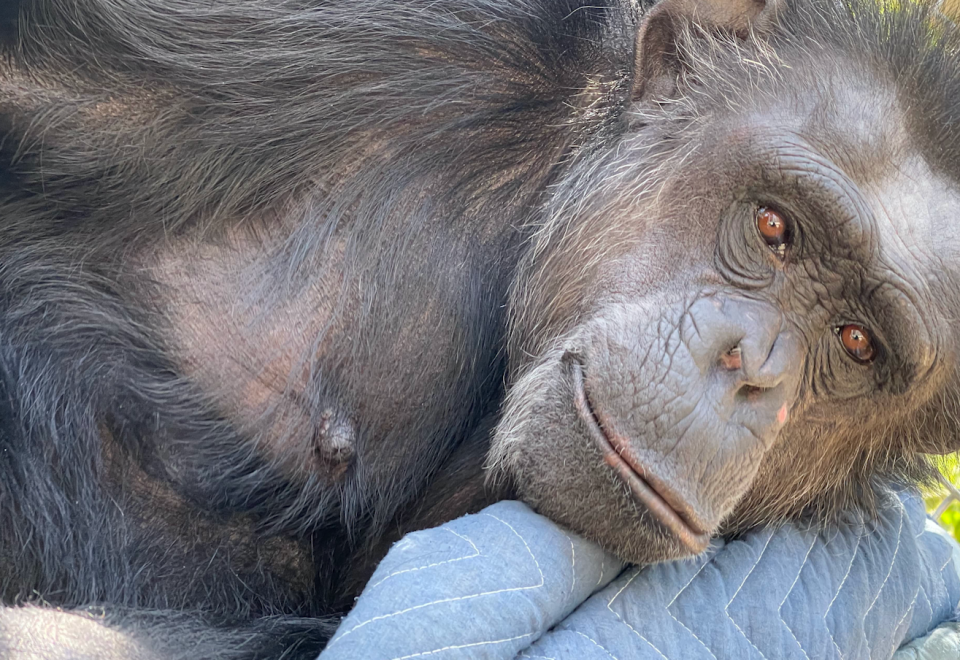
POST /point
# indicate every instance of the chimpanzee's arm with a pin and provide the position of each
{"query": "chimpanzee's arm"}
(40, 633)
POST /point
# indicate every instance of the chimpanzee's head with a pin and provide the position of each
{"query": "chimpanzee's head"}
(741, 308)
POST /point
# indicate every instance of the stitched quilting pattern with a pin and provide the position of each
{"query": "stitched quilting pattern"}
(853, 593)
(507, 583)
(436, 592)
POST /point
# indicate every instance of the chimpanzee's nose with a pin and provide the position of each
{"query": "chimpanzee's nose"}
(745, 339)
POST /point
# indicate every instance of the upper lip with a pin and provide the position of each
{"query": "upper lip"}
(661, 500)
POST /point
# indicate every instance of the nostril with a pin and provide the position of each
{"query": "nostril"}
(750, 392)
(732, 360)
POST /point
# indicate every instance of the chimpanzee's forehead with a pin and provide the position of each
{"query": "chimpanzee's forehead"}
(851, 116)
(856, 121)
(877, 66)
(915, 211)
(868, 57)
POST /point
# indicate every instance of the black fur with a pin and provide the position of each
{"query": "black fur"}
(421, 138)
(127, 123)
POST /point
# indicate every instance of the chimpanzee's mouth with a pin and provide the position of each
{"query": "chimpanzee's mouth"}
(669, 509)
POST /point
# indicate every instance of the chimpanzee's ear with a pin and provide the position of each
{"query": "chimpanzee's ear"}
(656, 60)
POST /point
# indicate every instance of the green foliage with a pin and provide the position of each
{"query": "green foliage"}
(950, 468)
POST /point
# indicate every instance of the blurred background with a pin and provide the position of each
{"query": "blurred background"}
(943, 499)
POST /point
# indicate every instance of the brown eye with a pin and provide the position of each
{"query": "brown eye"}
(857, 342)
(773, 229)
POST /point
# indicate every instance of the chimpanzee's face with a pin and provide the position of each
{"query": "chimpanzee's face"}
(738, 312)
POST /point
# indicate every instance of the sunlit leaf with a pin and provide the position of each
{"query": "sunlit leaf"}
(934, 496)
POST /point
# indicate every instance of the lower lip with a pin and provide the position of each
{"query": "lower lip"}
(629, 469)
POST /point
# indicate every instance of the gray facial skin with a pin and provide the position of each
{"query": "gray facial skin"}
(700, 382)
(276, 275)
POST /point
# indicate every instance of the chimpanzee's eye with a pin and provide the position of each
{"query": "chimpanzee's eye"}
(774, 229)
(857, 342)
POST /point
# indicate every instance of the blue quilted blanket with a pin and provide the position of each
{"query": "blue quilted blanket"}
(508, 583)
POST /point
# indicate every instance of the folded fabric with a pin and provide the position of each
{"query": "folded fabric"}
(942, 644)
(508, 583)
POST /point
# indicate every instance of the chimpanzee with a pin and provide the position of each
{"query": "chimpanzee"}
(283, 279)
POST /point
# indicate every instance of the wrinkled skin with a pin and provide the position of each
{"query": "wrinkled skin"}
(281, 281)
(795, 423)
